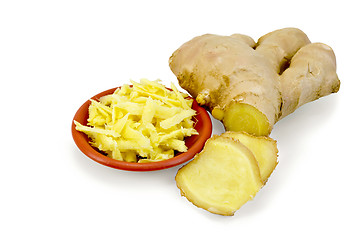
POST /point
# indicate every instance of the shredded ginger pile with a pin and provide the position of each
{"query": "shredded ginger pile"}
(145, 122)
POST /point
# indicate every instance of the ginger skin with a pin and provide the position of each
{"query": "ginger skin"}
(250, 86)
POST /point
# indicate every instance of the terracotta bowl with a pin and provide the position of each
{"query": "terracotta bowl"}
(194, 143)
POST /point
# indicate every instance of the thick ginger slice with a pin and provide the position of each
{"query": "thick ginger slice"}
(264, 149)
(250, 86)
(222, 177)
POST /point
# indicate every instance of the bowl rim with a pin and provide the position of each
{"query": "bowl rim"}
(82, 141)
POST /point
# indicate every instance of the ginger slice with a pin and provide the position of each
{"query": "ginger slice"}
(221, 178)
(263, 148)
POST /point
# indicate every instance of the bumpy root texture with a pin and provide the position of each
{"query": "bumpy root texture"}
(250, 86)
(311, 75)
(229, 171)
(281, 45)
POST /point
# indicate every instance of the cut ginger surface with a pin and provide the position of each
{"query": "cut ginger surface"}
(264, 149)
(223, 177)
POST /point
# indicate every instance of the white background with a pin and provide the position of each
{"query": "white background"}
(54, 55)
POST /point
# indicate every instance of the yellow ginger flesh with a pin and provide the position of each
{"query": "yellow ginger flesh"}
(145, 122)
(222, 177)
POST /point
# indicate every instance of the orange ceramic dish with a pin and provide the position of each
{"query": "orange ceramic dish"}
(194, 143)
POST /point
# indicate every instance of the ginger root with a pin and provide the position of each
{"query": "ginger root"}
(229, 171)
(250, 86)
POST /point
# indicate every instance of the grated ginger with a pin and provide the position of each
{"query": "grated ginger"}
(145, 122)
